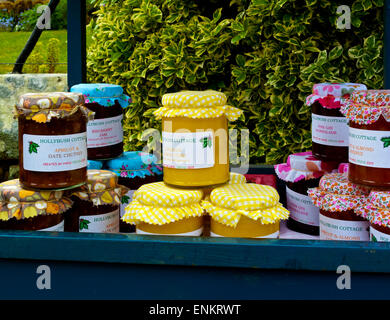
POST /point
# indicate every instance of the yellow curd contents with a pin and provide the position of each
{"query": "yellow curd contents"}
(157, 208)
(195, 137)
(245, 210)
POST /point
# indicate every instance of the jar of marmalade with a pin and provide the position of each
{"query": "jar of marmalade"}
(329, 127)
(369, 137)
(301, 172)
(105, 132)
(158, 209)
(96, 204)
(245, 211)
(337, 199)
(376, 209)
(22, 209)
(195, 140)
(134, 169)
(52, 140)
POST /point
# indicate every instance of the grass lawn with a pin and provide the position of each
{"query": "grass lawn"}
(12, 43)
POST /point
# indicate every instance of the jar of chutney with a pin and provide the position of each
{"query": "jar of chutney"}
(134, 169)
(369, 137)
(105, 132)
(96, 204)
(301, 172)
(195, 139)
(22, 209)
(52, 140)
(329, 127)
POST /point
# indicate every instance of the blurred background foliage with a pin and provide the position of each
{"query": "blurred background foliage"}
(264, 54)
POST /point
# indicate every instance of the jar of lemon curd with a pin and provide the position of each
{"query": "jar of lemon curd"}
(195, 140)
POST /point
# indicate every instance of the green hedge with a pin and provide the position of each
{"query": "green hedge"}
(265, 54)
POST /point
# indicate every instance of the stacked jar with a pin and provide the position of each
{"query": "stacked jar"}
(52, 158)
(302, 172)
(134, 169)
(105, 132)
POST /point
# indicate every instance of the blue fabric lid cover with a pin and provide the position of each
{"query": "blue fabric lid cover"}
(102, 93)
(94, 164)
(134, 164)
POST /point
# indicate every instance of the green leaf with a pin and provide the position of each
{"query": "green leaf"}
(33, 147)
(84, 224)
(125, 199)
(386, 142)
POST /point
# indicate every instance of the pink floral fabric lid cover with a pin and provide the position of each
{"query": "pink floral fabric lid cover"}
(366, 106)
(330, 95)
(376, 208)
(336, 193)
(301, 166)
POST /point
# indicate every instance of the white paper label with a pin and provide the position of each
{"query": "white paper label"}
(333, 229)
(274, 235)
(195, 233)
(189, 150)
(54, 153)
(301, 208)
(104, 132)
(329, 131)
(58, 227)
(369, 148)
(378, 236)
(102, 223)
(125, 201)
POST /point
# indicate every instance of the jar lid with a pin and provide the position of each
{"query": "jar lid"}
(330, 95)
(101, 188)
(196, 105)
(132, 164)
(255, 201)
(376, 208)
(236, 178)
(336, 193)
(302, 166)
(42, 107)
(157, 203)
(366, 106)
(15, 201)
(94, 164)
(102, 93)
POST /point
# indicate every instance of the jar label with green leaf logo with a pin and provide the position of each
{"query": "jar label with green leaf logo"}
(377, 236)
(336, 229)
(54, 153)
(369, 148)
(188, 150)
(101, 223)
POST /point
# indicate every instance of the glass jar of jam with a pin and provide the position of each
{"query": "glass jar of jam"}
(337, 198)
(96, 204)
(134, 169)
(245, 211)
(369, 137)
(301, 172)
(22, 209)
(105, 132)
(52, 140)
(329, 127)
(157, 208)
(195, 140)
(376, 209)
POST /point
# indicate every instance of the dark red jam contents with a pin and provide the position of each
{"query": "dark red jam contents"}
(33, 224)
(84, 208)
(301, 187)
(133, 184)
(102, 112)
(324, 152)
(379, 228)
(370, 176)
(348, 215)
(75, 123)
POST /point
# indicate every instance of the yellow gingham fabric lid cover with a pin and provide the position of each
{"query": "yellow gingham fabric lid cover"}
(196, 105)
(236, 178)
(158, 204)
(258, 202)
